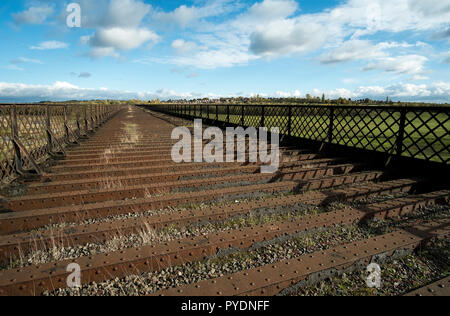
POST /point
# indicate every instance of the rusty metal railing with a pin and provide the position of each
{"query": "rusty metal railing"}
(415, 132)
(31, 133)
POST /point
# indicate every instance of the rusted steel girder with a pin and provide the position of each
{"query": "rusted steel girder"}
(27, 220)
(12, 245)
(439, 288)
(37, 279)
(271, 279)
(27, 203)
(149, 178)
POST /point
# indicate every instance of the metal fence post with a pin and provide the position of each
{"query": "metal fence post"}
(48, 126)
(290, 120)
(242, 116)
(331, 127)
(217, 113)
(401, 132)
(97, 120)
(228, 113)
(263, 116)
(66, 126)
(86, 124)
(15, 136)
(78, 123)
(91, 117)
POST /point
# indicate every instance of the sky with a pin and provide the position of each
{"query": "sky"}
(128, 49)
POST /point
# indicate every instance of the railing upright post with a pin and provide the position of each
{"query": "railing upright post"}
(78, 123)
(290, 120)
(242, 115)
(48, 126)
(201, 110)
(15, 136)
(217, 113)
(401, 132)
(331, 127)
(91, 117)
(86, 123)
(66, 126)
(207, 111)
(97, 118)
(228, 114)
(263, 116)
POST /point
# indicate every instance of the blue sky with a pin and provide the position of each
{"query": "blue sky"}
(187, 49)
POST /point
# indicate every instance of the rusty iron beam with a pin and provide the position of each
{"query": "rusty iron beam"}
(439, 288)
(142, 177)
(27, 220)
(27, 203)
(12, 245)
(271, 279)
(36, 279)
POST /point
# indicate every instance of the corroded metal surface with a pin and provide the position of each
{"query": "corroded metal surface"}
(439, 288)
(271, 279)
(125, 168)
(77, 235)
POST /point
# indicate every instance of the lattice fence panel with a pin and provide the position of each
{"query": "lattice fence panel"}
(427, 135)
(277, 116)
(222, 109)
(6, 145)
(372, 129)
(32, 130)
(235, 114)
(252, 116)
(310, 122)
(57, 125)
(74, 114)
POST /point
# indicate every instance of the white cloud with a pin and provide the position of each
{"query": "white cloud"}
(60, 90)
(23, 60)
(182, 47)
(185, 16)
(433, 92)
(18, 92)
(353, 50)
(119, 29)
(419, 77)
(274, 28)
(100, 52)
(125, 13)
(273, 9)
(34, 15)
(122, 38)
(49, 45)
(283, 37)
(209, 59)
(410, 64)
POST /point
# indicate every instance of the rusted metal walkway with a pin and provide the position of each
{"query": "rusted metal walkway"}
(119, 193)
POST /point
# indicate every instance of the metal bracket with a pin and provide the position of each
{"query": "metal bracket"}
(56, 142)
(72, 133)
(28, 156)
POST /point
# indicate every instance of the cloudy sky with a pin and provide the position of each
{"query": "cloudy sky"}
(187, 49)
